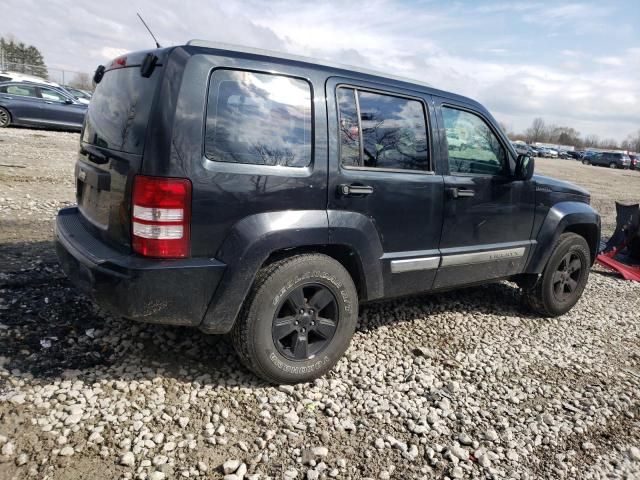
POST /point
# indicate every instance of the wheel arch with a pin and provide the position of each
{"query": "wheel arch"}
(576, 217)
(260, 239)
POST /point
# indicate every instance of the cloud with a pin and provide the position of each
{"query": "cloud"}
(499, 53)
(613, 61)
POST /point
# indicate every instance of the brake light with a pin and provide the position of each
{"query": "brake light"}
(119, 62)
(161, 216)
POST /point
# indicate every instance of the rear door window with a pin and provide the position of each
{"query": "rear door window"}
(22, 90)
(382, 131)
(258, 118)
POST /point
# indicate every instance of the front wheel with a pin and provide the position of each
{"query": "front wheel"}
(564, 277)
(298, 319)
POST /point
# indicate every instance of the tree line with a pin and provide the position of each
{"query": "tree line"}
(540, 131)
(16, 56)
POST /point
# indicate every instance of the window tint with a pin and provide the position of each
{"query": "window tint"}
(473, 148)
(258, 118)
(120, 109)
(52, 95)
(392, 132)
(22, 90)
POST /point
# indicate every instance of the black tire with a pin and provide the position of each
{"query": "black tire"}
(5, 117)
(586, 162)
(613, 165)
(254, 332)
(557, 290)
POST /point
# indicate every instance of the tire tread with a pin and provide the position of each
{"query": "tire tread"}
(240, 333)
(533, 297)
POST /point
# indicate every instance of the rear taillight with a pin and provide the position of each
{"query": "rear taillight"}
(161, 216)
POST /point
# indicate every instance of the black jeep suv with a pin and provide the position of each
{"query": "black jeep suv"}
(267, 196)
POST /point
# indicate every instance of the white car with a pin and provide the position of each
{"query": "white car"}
(551, 153)
(6, 76)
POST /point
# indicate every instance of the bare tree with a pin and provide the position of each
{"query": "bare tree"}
(537, 132)
(633, 142)
(82, 81)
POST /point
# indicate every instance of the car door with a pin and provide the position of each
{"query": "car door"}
(488, 215)
(382, 175)
(22, 101)
(59, 109)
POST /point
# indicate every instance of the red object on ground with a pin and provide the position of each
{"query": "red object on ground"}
(627, 271)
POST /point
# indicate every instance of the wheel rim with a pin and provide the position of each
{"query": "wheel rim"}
(612, 165)
(4, 117)
(305, 322)
(566, 278)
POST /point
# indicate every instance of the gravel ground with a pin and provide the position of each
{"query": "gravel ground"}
(461, 385)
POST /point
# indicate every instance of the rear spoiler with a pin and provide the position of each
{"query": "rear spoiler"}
(147, 61)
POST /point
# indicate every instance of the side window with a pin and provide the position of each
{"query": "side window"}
(389, 132)
(472, 146)
(22, 90)
(258, 118)
(52, 95)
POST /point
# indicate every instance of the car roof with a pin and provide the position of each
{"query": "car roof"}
(339, 69)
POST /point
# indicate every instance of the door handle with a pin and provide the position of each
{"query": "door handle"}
(457, 192)
(353, 190)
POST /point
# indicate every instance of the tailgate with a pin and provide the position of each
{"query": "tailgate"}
(112, 145)
(103, 191)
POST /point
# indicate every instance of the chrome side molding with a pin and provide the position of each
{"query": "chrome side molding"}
(482, 257)
(411, 264)
(433, 262)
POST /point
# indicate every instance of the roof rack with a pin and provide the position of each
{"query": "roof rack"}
(299, 58)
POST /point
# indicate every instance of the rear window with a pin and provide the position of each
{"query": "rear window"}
(258, 118)
(119, 110)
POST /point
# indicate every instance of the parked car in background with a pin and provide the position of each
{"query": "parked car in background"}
(564, 155)
(81, 95)
(211, 224)
(608, 159)
(39, 105)
(522, 148)
(552, 153)
(6, 76)
(538, 151)
(575, 154)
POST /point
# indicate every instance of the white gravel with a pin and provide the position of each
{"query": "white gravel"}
(461, 385)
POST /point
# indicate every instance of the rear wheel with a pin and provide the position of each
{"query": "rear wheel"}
(5, 117)
(613, 165)
(564, 278)
(586, 162)
(298, 319)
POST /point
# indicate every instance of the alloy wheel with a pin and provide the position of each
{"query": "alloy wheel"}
(567, 276)
(305, 322)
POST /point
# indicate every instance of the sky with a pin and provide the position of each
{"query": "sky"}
(575, 64)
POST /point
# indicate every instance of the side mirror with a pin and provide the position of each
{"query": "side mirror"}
(525, 166)
(68, 101)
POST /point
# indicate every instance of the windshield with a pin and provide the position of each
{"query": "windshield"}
(119, 110)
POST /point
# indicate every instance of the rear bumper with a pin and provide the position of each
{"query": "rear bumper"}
(150, 290)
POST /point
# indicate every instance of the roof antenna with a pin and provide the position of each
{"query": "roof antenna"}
(149, 30)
